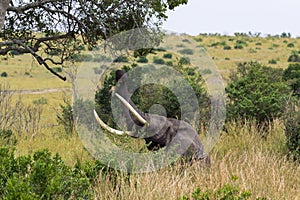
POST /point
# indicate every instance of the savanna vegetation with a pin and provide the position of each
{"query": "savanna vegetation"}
(42, 157)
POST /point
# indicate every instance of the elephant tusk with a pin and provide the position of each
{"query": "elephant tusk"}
(109, 129)
(132, 110)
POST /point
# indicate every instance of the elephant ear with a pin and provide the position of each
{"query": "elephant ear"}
(120, 74)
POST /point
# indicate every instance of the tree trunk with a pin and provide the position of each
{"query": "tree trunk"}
(3, 7)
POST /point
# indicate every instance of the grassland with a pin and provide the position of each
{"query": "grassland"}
(260, 166)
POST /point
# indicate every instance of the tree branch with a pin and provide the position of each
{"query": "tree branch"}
(39, 59)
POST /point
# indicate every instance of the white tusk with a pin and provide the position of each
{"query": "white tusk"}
(132, 110)
(109, 129)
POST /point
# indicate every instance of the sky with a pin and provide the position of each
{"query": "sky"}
(230, 16)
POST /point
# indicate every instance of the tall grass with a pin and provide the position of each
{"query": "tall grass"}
(240, 158)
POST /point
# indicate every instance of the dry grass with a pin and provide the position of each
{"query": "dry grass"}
(260, 169)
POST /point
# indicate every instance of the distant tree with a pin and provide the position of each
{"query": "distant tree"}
(39, 27)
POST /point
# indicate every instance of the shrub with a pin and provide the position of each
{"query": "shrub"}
(198, 39)
(186, 40)
(41, 176)
(169, 63)
(7, 138)
(292, 129)
(272, 61)
(294, 57)
(101, 58)
(226, 192)
(81, 57)
(121, 59)
(184, 61)
(292, 76)
(238, 46)
(65, 117)
(290, 45)
(159, 61)
(4, 74)
(186, 51)
(142, 60)
(256, 92)
(227, 47)
(57, 69)
(251, 50)
(167, 55)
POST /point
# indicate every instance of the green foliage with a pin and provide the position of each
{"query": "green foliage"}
(81, 57)
(292, 76)
(223, 43)
(294, 57)
(292, 129)
(81, 110)
(290, 45)
(142, 60)
(7, 138)
(226, 192)
(57, 69)
(167, 55)
(184, 61)
(256, 92)
(238, 46)
(186, 51)
(65, 117)
(227, 47)
(4, 74)
(272, 61)
(121, 59)
(41, 176)
(159, 61)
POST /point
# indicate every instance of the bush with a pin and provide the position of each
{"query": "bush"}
(184, 61)
(186, 51)
(238, 46)
(121, 59)
(169, 63)
(167, 55)
(142, 60)
(7, 138)
(256, 92)
(290, 45)
(227, 47)
(272, 61)
(4, 74)
(226, 192)
(41, 176)
(294, 57)
(292, 76)
(292, 129)
(159, 61)
(57, 69)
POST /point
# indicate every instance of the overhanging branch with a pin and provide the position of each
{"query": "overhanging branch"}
(39, 59)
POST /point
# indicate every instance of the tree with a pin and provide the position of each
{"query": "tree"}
(292, 76)
(63, 26)
(256, 92)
